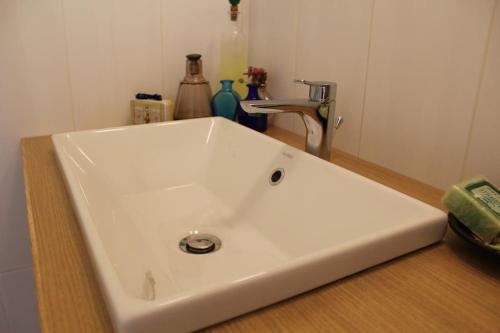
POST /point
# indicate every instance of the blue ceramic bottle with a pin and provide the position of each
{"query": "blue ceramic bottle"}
(256, 121)
(226, 102)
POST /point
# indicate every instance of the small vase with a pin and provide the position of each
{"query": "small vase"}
(226, 102)
(193, 97)
(257, 121)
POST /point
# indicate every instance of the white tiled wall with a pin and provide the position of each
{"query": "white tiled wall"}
(409, 75)
(272, 45)
(17, 290)
(194, 29)
(332, 44)
(484, 148)
(116, 48)
(424, 72)
(34, 99)
(4, 325)
(314, 40)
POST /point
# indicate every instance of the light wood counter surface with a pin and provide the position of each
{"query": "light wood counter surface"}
(447, 287)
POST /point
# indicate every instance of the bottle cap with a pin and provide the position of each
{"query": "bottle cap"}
(193, 56)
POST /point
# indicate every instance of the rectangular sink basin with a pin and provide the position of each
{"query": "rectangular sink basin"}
(287, 221)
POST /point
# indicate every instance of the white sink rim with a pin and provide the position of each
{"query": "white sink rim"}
(125, 309)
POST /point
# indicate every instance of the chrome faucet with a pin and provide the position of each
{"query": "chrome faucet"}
(321, 104)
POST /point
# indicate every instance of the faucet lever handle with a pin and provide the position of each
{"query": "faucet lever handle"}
(320, 91)
(309, 83)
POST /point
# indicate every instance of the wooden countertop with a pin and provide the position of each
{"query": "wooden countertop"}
(450, 286)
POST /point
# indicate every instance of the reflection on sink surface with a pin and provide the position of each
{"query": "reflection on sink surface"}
(138, 191)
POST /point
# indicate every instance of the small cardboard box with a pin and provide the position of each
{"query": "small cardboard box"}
(145, 111)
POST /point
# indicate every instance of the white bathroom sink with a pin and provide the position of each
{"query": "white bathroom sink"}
(139, 190)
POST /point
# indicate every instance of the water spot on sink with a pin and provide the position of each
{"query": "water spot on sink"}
(148, 287)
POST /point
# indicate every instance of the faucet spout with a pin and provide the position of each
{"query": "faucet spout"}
(319, 131)
(274, 105)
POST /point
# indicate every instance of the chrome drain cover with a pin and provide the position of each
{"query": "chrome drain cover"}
(200, 243)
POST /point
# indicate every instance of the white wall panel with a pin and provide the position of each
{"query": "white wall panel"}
(18, 296)
(272, 45)
(114, 50)
(89, 35)
(44, 67)
(423, 76)
(34, 100)
(332, 45)
(194, 28)
(4, 325)
(484, 150)
(137, 49)
(14, 247)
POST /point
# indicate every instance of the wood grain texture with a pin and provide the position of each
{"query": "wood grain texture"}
(450, 286)
(69, 299)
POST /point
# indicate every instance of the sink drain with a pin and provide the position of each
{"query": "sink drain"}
(200, 244)
(276, 176)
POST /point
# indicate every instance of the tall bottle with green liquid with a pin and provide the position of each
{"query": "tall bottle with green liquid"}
(234, 51)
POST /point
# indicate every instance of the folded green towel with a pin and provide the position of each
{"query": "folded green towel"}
(476, 203)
